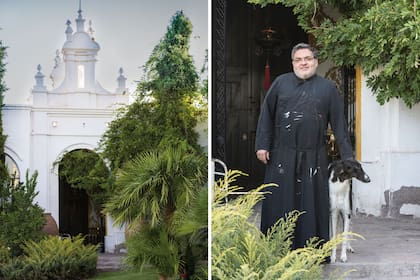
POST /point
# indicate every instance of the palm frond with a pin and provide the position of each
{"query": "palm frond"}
(156, 183)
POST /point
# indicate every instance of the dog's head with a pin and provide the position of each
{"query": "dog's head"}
(346, 169)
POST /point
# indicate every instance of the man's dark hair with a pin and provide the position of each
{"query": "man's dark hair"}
(304, 46)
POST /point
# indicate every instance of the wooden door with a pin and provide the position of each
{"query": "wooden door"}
(238, 77)
(73, 210)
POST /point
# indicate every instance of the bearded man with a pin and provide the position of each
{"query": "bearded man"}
(292, 141)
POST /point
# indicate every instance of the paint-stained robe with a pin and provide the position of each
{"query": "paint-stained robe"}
(292, 126)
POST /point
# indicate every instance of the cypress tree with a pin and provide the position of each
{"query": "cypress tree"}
(20, 218)
(4, 174)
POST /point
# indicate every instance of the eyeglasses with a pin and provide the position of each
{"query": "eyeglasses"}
(306, 59)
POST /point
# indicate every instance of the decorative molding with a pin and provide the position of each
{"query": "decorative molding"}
(68, 149)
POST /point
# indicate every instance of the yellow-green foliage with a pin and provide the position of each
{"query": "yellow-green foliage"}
(53, 258)
(241, 251)
(4, 254)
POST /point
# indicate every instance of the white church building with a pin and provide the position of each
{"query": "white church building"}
(72, 115)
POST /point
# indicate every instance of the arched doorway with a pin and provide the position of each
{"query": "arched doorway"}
(81, 175)
(241, 54)
(13, 169)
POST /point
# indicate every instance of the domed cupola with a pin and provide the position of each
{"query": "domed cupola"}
(79, 55)
(80, 40)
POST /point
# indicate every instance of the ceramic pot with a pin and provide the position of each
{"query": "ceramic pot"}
(50, 226)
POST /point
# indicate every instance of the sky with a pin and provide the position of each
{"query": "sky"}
(126, 30)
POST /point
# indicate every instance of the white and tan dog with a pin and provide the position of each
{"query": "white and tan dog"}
(341, 172)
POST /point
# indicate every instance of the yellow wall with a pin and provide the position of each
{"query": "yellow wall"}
(358, 111)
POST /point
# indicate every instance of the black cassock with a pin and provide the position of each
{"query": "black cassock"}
(293, 126)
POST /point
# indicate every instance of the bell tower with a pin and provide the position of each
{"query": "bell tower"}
(79, 55)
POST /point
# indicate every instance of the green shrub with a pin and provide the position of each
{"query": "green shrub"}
(53, 258)
(20, 218)
(190, 227)
(178, 249)
(154, 246)
(85, 170)
(161, 195)
(4, 254)
(241, 251)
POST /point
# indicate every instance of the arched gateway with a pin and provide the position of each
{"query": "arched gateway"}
(72, 115)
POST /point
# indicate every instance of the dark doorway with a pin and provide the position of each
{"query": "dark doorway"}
(73, 212)
(79, 196)
(238, 75)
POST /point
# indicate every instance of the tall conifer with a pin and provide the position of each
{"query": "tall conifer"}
(164, 113)
(4, 175)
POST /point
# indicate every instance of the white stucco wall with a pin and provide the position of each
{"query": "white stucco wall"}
(203, 134)
(390, 154)
(39, 135)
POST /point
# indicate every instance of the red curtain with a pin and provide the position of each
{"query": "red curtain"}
(267, 76)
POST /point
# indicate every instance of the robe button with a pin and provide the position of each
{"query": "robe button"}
(281, 169)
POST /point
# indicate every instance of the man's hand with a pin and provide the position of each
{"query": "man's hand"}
(263, 156)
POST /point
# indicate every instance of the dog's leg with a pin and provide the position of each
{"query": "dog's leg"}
(349, 248)
(333, 229)
(346, 228)
(346, 219)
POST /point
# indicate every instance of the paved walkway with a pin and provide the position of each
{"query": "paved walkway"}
(391, 250)
(109, 262)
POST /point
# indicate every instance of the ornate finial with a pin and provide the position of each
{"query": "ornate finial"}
(55, 75)
(80, 21)
(39, 78)
(90, 31)
(121, 82)
(80, 9)
(57, 59)
(69, 30)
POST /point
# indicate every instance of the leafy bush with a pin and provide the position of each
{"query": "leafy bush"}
(154, 246)
(241, 251)
(20, 218)
(176, 248)
(4, 254)
(53, 258)
(381, 36)
(161, 195)
(190, 227)
(84, 169)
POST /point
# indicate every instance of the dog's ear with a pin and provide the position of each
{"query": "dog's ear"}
(345, 169)
(330, 167)
(337, 168)
(351, 167)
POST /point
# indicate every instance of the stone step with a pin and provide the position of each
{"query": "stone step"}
(372, 271)
(390, 250)
(109, 262)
